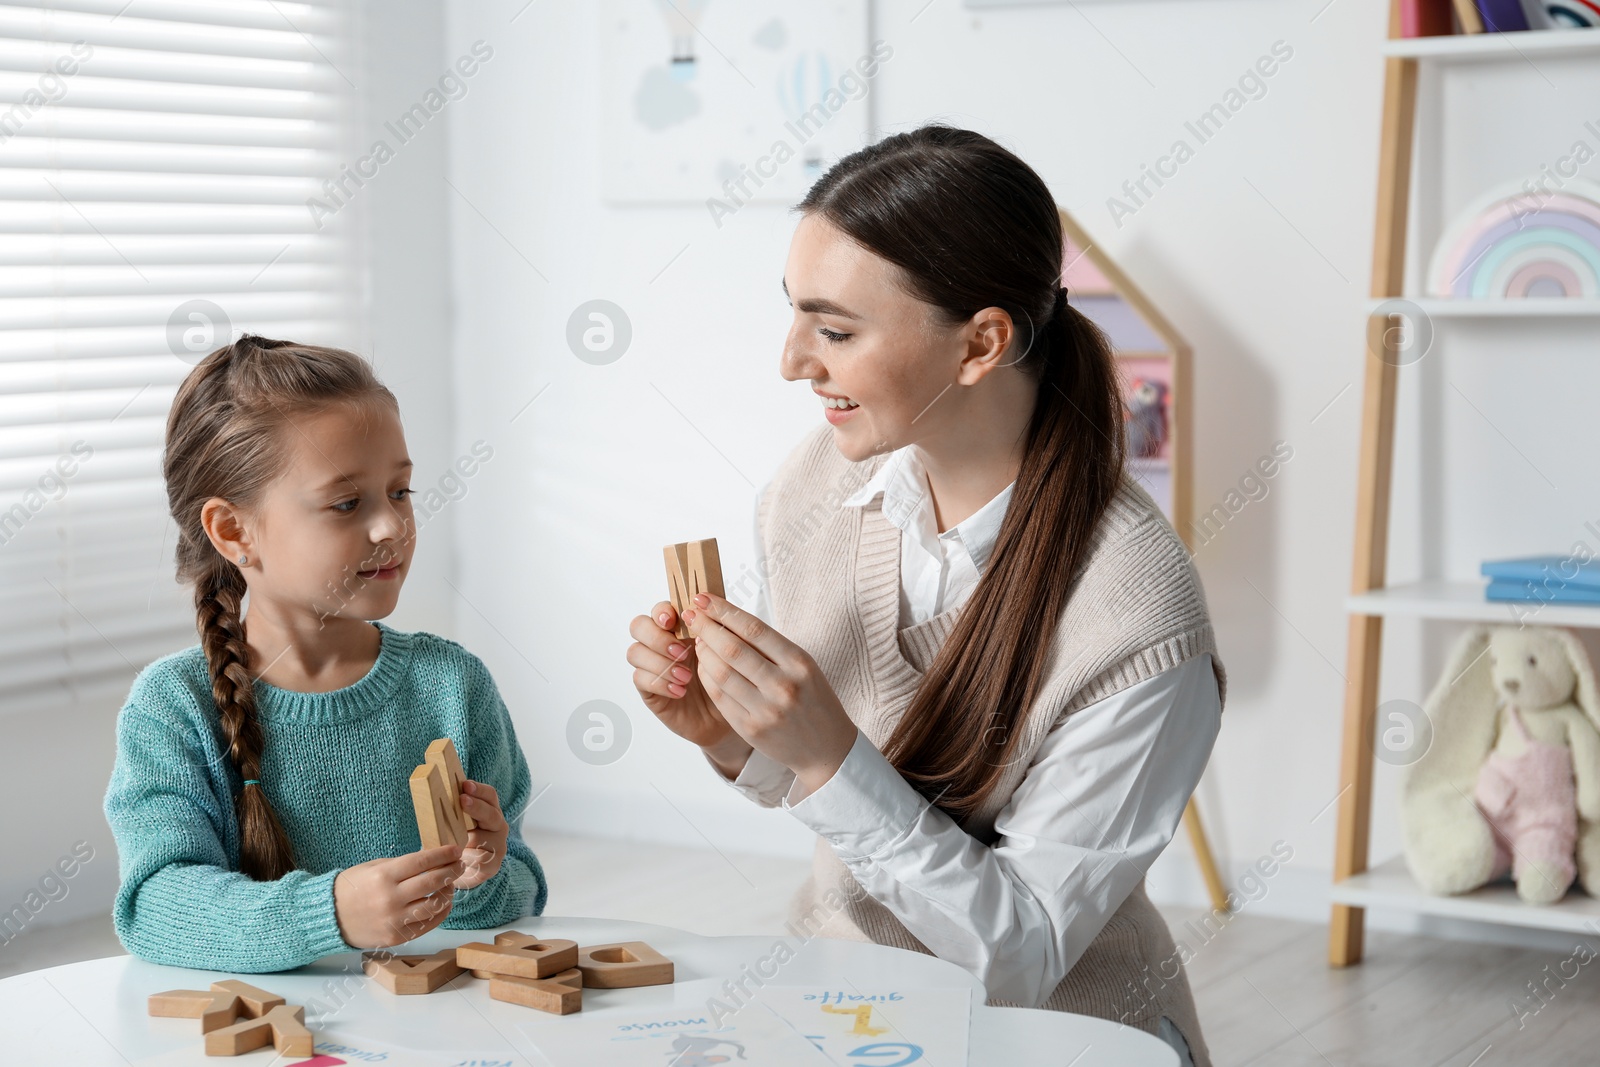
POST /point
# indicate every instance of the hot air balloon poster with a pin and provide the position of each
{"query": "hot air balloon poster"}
(728, 102)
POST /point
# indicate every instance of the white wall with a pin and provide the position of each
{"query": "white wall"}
(405, 227)
(602, 470)
(561, 534)
(1258, 249)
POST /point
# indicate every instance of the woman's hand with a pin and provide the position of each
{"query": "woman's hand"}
(486, 845)
(664, 673)
(391, 901)
(770, 691)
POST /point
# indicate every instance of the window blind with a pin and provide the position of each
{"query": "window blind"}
(155, 162)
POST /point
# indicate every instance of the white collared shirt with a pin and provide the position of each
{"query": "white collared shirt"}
(937, 570)
(1103, 796)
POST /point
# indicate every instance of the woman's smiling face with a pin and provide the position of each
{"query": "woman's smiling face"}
(877, 357)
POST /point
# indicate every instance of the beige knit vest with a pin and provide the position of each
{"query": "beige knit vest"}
(1136, 609)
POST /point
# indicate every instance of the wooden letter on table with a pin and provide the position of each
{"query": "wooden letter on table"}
(215, 1009)
(257, 1002)
(237, 1017)
(623, 965)
(436, 797)
(693, 567)
(561, 994)
(411, 975)
(283, 1027)
(518, 954)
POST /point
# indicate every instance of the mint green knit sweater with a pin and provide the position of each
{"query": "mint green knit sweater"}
(335, 766)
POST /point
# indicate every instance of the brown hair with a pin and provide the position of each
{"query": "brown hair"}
(970, 226)
(224, 440)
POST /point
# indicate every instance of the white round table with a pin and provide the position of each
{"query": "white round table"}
(93, 1013)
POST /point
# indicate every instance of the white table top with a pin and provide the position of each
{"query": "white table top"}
(93, 1013)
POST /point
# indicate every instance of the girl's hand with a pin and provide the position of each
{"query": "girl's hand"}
(486, 845)
(391, 901)
(664, 673)
(770, 691)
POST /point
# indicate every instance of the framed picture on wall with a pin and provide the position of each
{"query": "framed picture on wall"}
(721, 103)
(1147, 402)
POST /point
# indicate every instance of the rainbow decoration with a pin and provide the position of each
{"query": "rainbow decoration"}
(1513, 244)
(1572, 14)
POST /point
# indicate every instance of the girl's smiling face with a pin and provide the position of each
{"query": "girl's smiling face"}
(876, 356)
(333, 534)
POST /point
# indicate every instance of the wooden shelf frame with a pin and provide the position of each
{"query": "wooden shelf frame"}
(1371, 599)
(1465, 602)
(1347, 923)
(1516, 46)
(1436, 307)
(1390, 885)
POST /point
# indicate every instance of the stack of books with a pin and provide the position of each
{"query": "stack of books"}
(1431, 18)
(1544, 579)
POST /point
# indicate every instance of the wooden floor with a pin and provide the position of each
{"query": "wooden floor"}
(1268, 998)
(1266, 995)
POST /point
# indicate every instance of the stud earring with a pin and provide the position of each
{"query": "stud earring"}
(243, 560)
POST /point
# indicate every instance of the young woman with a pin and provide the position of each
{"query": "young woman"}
(982, 669)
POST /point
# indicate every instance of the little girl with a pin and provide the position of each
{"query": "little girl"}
(260, 799)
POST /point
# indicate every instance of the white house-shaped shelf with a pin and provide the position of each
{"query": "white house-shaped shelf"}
(1154, 363)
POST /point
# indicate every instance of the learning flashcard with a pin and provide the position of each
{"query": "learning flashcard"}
(871, 1027)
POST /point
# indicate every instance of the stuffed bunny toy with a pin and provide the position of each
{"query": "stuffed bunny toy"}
(1511, 780)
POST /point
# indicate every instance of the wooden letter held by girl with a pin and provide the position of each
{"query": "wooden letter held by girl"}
(436, 796)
